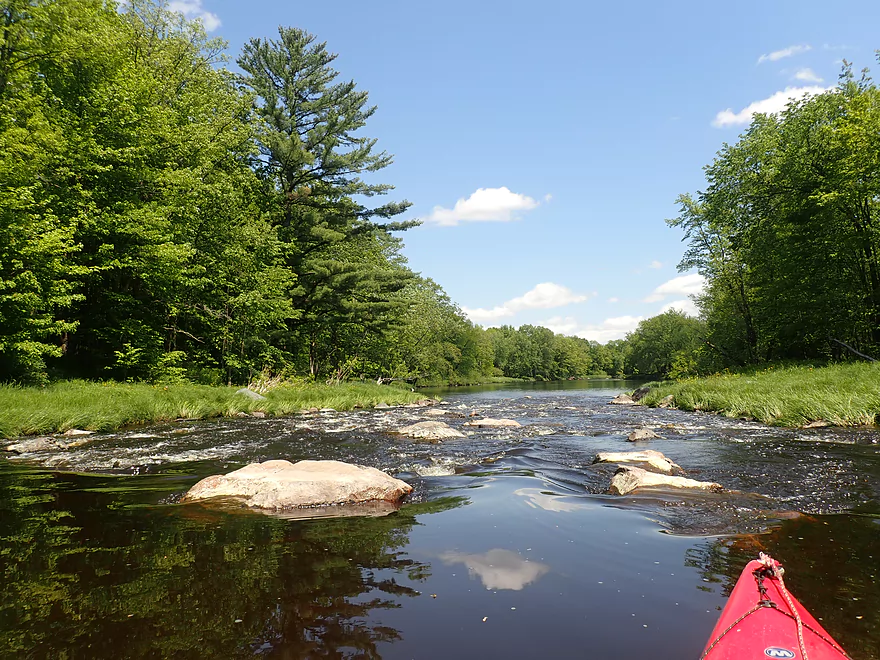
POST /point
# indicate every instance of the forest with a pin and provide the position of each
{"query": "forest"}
(165, 219)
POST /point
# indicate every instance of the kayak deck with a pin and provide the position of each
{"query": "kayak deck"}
(760, 621)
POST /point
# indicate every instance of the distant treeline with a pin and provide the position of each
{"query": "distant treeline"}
(164, 219)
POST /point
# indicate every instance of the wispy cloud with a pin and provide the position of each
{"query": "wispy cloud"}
(484, 205)
(785, 52)
(683, 285)
(687, 306)
(193, 10)
(546, 295)
(770, 105)
(612, 328)
(655, 264)
(807, 75)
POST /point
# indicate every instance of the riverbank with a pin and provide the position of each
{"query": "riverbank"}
(110, 405)
(837, 395)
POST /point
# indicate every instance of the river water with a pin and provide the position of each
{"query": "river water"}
(509, 546)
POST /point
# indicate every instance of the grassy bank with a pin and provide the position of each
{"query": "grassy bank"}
(844, 395)
(107, 406)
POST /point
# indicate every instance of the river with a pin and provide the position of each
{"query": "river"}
(509, 546)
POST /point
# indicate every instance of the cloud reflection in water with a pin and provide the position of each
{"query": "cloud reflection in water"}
(498, 568)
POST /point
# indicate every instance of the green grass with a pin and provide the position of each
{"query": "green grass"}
(107, 406)
(844, 394)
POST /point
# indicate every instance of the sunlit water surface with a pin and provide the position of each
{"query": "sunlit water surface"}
(509, 546)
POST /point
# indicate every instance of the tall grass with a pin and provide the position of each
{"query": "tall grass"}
(844, 394)
(109, 405)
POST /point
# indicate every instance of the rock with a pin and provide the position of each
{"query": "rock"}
(250, 394)
(73, 433)
(314, 410)
(241, 414)
(641, 434)
(282, 485)
(667, 401)
(640, 393)
(34, 445)
(382, 405)
(430, 431)
(489, 423)
(653, 458)
(628, 478)
(258, 413)
(623, 400)
(818, 424)
(435, 412)
(327, 410)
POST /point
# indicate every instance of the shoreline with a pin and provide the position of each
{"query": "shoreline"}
(844, 395)
(88, 406)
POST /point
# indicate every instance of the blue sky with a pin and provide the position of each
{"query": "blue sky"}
(543, 144)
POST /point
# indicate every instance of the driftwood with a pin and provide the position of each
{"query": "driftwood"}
(847, 346)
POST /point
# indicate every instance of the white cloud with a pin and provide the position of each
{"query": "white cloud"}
(548, 197)
(193, 10)
(686, 305)
(807, 75)
(785, 52)
(613, 328)
(656, 264)
(561, 326)
(773, 104)
(498, 568)
(683, 285)
(546, 295)
(485, 205)
(614, 300)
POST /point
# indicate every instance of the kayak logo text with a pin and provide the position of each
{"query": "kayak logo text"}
(778, 652)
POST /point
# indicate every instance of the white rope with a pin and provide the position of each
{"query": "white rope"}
(776, 571)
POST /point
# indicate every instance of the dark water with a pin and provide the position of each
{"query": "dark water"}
(509, 547)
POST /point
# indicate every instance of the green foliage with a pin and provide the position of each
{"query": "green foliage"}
(665, 345)
(843, 394)
(110, 405)
(786, 232)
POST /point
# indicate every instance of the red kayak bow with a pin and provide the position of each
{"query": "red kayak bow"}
(762, 620)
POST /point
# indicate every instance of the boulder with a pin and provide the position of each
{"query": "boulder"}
(259, 414)
(818, 424)
(430, 431)
(435, 412)
(489, 423)
(281, 485)
(74, 433)
(382, 405)
(623, 400)
(628, 478)
(34, 445)
(653, 458)
(250, 394)
(667, 401)
(641, 434)
(638, 394)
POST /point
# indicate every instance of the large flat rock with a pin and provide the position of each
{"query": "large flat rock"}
(490, 423)
(650, 457)
(281, 485)
(628, 479)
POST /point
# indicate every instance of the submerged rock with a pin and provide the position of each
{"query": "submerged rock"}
(653, 458)
(47, 443)
(641, 434)
(489, 422)
(623, 400)
(282, 485)
(628, 478)
(250, 394)
(430, 431)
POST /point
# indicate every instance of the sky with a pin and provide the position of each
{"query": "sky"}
(543, 144)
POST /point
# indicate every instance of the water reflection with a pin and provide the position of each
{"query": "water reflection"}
(541, 499)
(498, 568)
(90, 572)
